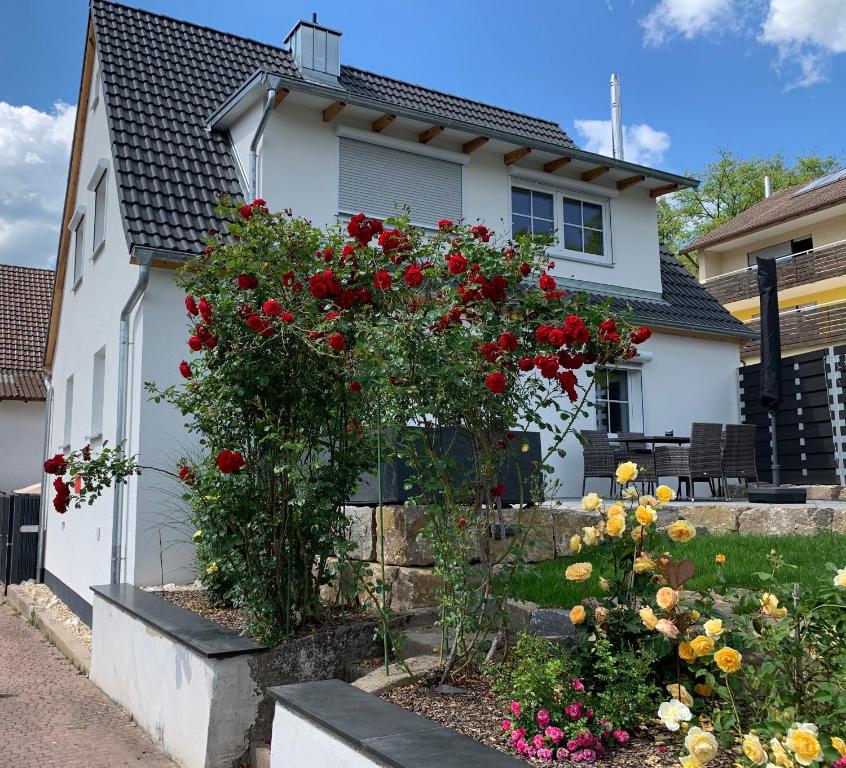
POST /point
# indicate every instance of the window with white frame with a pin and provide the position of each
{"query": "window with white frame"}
(580, 223)
(619, 405)
(99, 214)
(78, 250)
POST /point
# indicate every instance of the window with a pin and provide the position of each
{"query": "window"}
(99, 214)
(579, 223)
(780, 250)
(613, 401)
(97, 386)
(802, 244)
(78, 252)
(68, 435)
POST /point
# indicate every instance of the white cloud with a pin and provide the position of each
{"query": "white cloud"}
(686, 18)
(642, 144)
(34, 151)
(806, 33)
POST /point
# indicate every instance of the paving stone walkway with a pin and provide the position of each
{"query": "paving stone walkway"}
(51, 716)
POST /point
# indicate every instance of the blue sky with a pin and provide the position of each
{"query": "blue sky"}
(753, 76)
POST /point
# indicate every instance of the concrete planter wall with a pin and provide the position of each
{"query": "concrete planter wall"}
(329, 724)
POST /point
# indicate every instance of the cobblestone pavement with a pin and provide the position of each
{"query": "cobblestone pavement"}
(51, 716)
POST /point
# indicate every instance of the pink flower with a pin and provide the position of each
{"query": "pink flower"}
(577, 684)
(537, 741)
(621, 736)
(544, 754)
(554, 734)
(561, 754)
(506, 725)
(574, 710)
(517, 735)
(515, 708)
(543, 718)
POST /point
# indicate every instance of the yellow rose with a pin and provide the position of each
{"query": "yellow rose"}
(689, 761)
(720, 558)
(769, 602)
(702, 645)
(212, 569)
(615, 509)
(643, 564)
(648, 617)
(665, 493)
(694, 615)
(666, 597)
(754, 750)
(681, 531)
(576, 544)
(646, 515)
(667, 628)
(591, 502)
(197, 535)
(577, 614)
(686, 651)
(590, 535)
(648, 501)
(616, 525)
(840, 579)
(703, 689)
(713, 627)
(728, 659)
(578, 572)
(630, 493)
(802, 741)
(701, 744)
(680, 692)
(626, 472)
(839, 745)
(603, 584)
(780, 757)
(600, 615)
(638, 532)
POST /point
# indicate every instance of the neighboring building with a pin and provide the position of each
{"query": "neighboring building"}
(168, 111)
(25, 295)
(805, 228)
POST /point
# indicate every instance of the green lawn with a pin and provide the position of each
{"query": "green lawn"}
(544, 583)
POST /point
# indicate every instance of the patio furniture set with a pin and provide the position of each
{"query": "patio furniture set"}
(711, 454)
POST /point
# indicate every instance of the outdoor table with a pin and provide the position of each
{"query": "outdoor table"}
(653, 440)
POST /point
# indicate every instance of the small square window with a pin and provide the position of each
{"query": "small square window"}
(532, 212)
(583, 226)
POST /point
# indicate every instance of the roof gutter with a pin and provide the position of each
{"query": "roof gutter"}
(145, 260)
(317, 89)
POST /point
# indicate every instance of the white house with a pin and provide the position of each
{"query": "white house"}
(172, 115)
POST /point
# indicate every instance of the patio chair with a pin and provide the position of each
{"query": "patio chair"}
(600, 457)
(702, 461)
(739, 453)
(642, 455)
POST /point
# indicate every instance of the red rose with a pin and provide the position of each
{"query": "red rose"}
(337, 342)
(256, 323)
(525, 269)
(607, 326)
(498, 490)
(413, 275)
(547, 282)
(246, 211)
(247, 282)
(382, 280)
(185, 475)
(355, 386)
(210, 341)
(456, 263)
(445, 224)
(495, 382)
(567, 380)
(490, 351)
(461, 522)
(641, 334)
(481, 233)
(288, 317)
(542, 334)
(508, 341)
(258, 202)
(272, 308)
(229, 461)
(526, 364)
(191, 305)
(185, 370)
(208, 251)
(557, 337)
(56, 465)
(549, 367)
(205, 309)
(195, 343)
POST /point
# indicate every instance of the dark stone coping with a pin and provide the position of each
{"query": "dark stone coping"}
(201, 635)
(378, 729)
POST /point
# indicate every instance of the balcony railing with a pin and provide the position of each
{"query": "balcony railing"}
(797, 269)
(809, 327)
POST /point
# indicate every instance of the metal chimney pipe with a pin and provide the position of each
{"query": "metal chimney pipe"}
(768, 187)
(616, 119)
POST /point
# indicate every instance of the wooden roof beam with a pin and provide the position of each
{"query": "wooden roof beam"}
(426, 136)
(658, 191)
(512, 157)
(554, 165)
(380, 123)
(629, 181)
(280, 97)
(471, 146)
(332, 110)
(595, 173)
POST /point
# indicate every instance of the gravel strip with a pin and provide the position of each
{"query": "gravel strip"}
(44, 599)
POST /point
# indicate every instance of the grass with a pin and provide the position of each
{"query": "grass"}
(544, 583)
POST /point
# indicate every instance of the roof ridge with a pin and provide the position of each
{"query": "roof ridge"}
(28, 269)
(456, 96)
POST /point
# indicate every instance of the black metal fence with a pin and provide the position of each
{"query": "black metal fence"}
(18, 538)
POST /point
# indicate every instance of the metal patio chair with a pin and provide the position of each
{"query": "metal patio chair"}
(600, 457)
(642, 455)
(739, 453)
(702, 461)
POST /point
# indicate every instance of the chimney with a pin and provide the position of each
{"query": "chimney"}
(316, 50)
(768, 187)
(616, 119)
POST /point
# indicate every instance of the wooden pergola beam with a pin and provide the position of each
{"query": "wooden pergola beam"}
(513, 156)
(474, 144)
(380, 123)
(426, 136)
(333, 109)
(280, 97)
(595, 173)
(658, 191)
(554, 165)
(629, 181)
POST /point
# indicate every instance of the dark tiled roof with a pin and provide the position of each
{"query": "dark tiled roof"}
(25, 296)
(162, 78)
(781, 206)
(686, 305)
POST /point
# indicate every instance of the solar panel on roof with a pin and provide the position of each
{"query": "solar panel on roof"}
(822, 181)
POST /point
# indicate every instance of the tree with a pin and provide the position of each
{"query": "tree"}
(729, 185)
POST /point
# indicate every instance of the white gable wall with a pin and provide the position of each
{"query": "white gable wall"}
(22, 435)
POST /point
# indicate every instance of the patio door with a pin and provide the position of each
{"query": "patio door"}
(619, 400)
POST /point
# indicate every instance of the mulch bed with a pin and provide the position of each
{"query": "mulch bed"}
(478, 715)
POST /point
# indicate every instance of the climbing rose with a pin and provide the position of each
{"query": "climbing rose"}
(246, 211)
(525, 269)
(413, 275)
(641, 335)
(526, 364)
(272, 308)
(456, 263)
(56, 465)
(355, 386)
(337, 342)
(259, 202)
(382, 280)
(229, 461)
(481, 233)
(191, 305)
(247, 282)
(547, 282)
(185, 370)
(287, 317)
(185, 475)
(508, 341)
(495, 382)
(205, 309)
(445, 224)
(195, 343)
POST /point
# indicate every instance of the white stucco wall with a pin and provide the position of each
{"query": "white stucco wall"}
(22, 438)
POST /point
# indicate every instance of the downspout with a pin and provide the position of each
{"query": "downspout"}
(42, 523)
(273, 85)
(145, 259)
